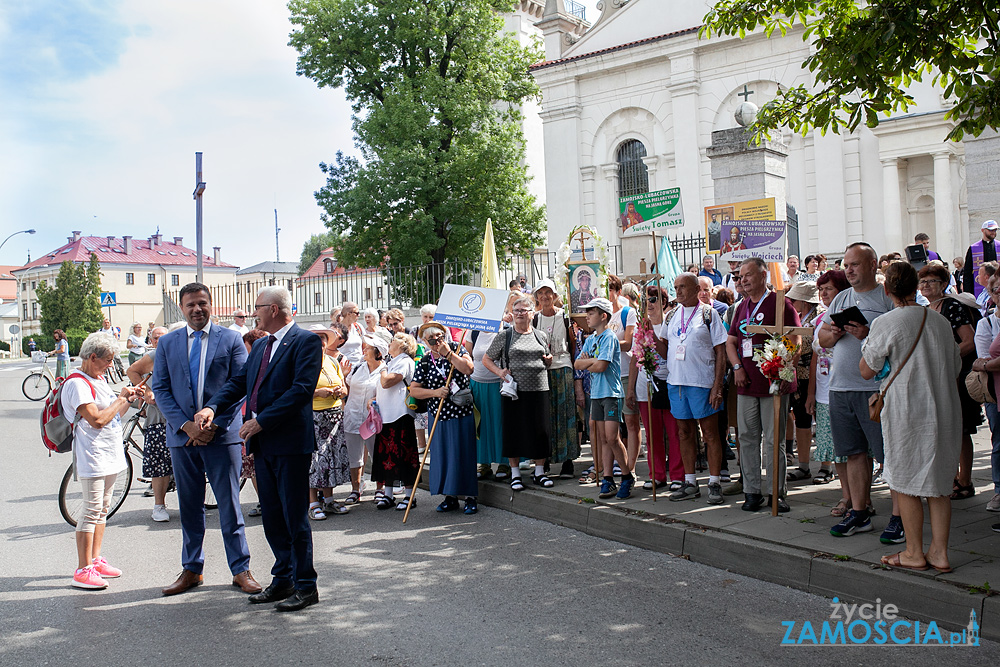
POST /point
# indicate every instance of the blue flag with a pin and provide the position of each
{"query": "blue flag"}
(667, 266)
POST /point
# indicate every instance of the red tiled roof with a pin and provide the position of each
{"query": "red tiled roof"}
(166, 253)
(317, 270)
(8, 283)
(612, 49)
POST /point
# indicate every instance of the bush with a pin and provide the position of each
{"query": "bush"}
(75, 337)
(43, 343)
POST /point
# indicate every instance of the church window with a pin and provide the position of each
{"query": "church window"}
(633, 179)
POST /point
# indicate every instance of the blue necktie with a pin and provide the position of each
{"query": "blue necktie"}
(194, 363)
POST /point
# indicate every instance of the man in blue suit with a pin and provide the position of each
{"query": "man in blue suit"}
(278, 382)
(192, 364)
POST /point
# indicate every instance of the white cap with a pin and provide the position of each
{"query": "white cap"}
(544, 283)
(990, 224)
(377, 342)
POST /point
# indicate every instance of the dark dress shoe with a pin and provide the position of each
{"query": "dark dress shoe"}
(782, 505)
(300, 600)
(188, 579)
(273, 593)
(246, 583)
(753, 502)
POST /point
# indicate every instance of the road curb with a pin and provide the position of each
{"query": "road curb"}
(918, 596)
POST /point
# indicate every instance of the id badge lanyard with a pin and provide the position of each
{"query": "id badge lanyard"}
(750, 319)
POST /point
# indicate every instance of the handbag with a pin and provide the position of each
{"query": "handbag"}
(979, 385)
(877, 400)
(461, 398)
(372, 423)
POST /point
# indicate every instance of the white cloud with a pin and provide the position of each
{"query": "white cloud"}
(117, 139)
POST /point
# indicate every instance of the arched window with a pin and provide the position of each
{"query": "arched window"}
(328, 266)
(633, 178)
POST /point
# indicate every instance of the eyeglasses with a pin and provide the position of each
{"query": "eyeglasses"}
(651, 299)
(928, 281)
(262, 305)
(521, 311)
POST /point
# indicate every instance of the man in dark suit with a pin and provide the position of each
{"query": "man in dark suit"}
(191, 365)
(278, 381)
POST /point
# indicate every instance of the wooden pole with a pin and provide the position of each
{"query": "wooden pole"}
(779, 324)
(649, 390)
(430, 436)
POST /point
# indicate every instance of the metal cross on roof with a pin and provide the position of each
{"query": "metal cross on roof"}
(745, 94)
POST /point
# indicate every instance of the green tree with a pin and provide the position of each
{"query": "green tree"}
(866, 55)
(75, 301)
(311, 250)
(435, 87)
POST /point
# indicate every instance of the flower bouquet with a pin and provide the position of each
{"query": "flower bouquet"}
(644, 349)
(775, 361)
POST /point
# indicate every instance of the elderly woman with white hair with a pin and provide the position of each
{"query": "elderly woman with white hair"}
(362, 382)
(136, 343)
(370, 317)
(95, 412)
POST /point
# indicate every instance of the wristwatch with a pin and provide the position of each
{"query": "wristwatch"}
(737, 367)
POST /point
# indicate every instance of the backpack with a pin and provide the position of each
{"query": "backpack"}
(57, 429)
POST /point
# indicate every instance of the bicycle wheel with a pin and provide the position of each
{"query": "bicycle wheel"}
(36, 386)
(71, 495)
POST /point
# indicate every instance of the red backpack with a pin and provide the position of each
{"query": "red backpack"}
(57, 428)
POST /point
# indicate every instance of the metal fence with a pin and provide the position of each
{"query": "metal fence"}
(402, 286)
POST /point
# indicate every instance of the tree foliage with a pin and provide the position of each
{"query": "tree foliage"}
(75, 301)
(435, 87)
(312, 249)
(866, 55)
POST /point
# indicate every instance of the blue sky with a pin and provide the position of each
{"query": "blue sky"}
(103, 104)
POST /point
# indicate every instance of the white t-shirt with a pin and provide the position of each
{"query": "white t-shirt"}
(138, 344)
(642, 378)
(352, 346)
(824, 360)
(687, 329)
(239, 328)
(616, 327)
(96, 451)
(392, 401)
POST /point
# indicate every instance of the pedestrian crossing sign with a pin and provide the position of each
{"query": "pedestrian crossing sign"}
(108, 299)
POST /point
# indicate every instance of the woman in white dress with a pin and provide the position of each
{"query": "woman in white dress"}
(922, 417)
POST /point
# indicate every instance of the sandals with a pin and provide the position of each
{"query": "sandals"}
(516, 484)
(254, 511)
(797, 474)
(353, 499)
(840, 509)
(385, 502)
(893, 561)
(963, 492)
(317, 514)
(589, 476)
(824, 476)
(401, 505)
(543, 481)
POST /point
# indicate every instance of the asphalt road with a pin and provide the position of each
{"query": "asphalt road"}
(489, 589)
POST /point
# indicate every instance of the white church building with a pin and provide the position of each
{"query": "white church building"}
(629, 105)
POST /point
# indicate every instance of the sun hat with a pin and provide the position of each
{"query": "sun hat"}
(432, 325)
(804, 291)
(377, 342)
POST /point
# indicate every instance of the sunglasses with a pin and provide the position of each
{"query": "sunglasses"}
(434, 339)
(652, 299)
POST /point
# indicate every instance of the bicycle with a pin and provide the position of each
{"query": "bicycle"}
(39, 383)
(116, 371)
(71, 496)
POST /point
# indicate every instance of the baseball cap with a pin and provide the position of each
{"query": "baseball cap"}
(991, 224)
(544, 283)
(601, 304)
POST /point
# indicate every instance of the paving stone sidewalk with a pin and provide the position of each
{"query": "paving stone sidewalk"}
(796, 548)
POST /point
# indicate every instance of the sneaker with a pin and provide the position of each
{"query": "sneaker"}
(255, 510)
(734, 489)
(625, 490)
(994, 504)
(503, 471)
(102, 568)
(715, 494)
(687, 492)
(853, 522)
(87, 577)
(893, 533)
(160, 513)
(608, 488)
(449, 504)
(148, 493)
(471, 505)
(485, 471)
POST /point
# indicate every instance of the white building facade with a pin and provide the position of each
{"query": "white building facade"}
(640, 92)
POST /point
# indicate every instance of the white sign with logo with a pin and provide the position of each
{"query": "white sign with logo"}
(473, 308)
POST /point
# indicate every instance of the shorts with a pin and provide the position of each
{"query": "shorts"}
(797, 403)
(606, 409)
(626, 410)
(853, 430)
(690, 402)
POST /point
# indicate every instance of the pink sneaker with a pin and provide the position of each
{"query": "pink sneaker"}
(105, 570)
(87, 577)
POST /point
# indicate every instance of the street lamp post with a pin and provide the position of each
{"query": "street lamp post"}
(20, 326)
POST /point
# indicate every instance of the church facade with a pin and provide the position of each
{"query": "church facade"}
(630, 105)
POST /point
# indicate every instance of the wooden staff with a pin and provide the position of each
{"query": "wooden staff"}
(649, 398)
(430, 436)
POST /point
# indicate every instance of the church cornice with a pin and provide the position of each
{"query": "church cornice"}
(613, 49)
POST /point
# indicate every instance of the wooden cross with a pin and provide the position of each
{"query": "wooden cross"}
(583, 234)
(777, 329)
(745, 94)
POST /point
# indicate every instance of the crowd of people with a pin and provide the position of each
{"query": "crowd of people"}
(301, 411)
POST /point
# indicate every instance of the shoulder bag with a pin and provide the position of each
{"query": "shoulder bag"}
(877, 400)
